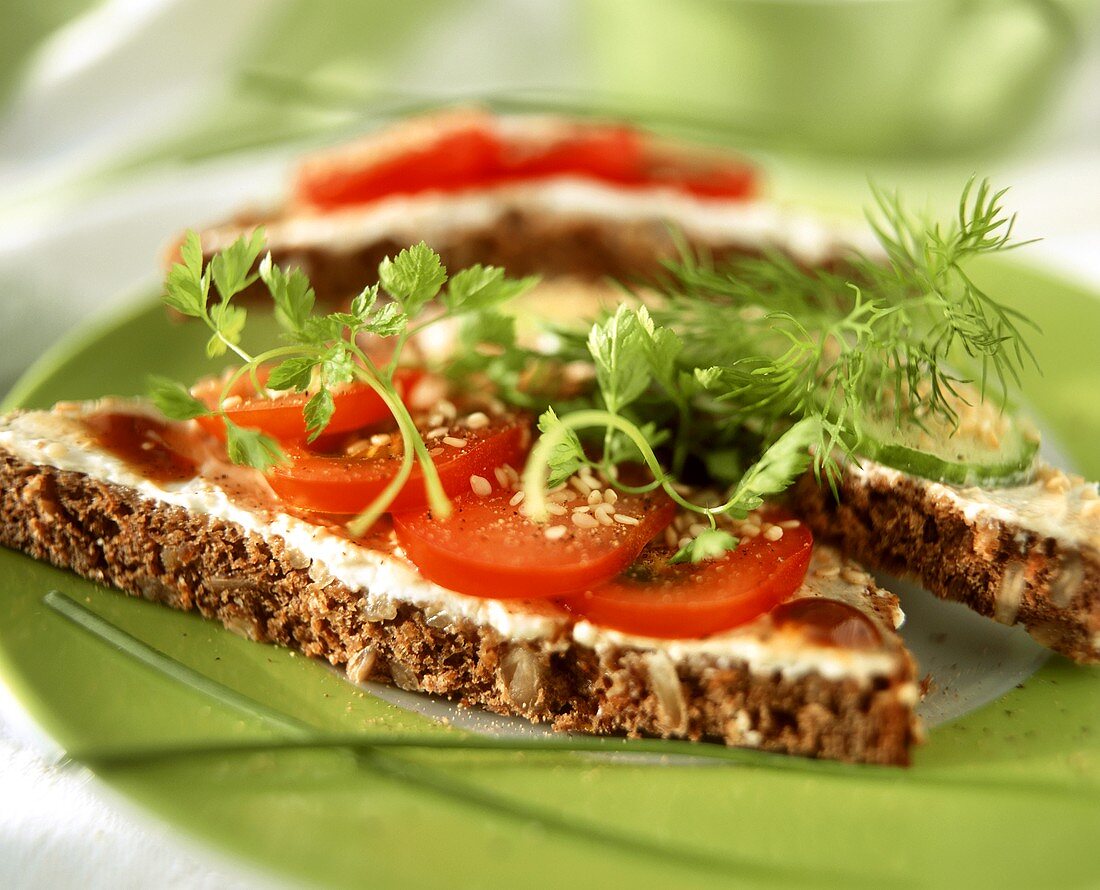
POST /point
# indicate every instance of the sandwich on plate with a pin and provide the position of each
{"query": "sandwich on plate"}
(626, 526)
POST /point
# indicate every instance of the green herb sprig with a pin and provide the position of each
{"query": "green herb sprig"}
(322, 352)
(759, 367)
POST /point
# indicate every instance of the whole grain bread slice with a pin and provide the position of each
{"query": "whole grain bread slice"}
(259, 586)
(552, 226)
(1027, 554)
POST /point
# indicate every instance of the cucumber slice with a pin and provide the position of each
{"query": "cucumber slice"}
(989, 449)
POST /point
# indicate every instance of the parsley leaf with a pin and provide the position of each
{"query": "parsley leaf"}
(173, 399)
(228, 321)
(294, 373)
(620, 350)
(708, 544)
(567, 455)
(318, 412)
(291, 292)
(232, 268)
(364, 302)
(387, 321)
(787, 458)
(186, 287)
(413, 277)
(250, 447)
(482, 287)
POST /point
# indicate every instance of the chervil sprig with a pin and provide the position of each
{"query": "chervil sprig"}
(630, 353)
(323, 352)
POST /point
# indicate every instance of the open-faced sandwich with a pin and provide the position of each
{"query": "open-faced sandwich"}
(375, 490)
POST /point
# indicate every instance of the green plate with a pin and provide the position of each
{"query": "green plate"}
(1007, 795)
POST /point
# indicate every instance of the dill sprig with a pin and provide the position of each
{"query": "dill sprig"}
(757, 363)
(908, 335)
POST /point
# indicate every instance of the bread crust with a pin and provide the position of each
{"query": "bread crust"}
(110, 534)
(1000, 569)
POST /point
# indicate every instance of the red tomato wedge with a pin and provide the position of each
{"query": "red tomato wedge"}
(488, 548)
(655, 598)
(280, 416)
(346, 484)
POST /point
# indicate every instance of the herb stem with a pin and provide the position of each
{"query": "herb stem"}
(254, 363)
(413, 448)
(534, 475)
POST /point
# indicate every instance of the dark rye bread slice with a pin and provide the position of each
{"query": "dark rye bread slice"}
(580, 228)
(1026, 555)
(259, 587)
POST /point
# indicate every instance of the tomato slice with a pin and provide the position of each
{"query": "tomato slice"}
(488, 548)
(473, 156)
(280, 416)
(656, 598)
(346, 483)
(718, 181)
(612, 154)
(453, 161)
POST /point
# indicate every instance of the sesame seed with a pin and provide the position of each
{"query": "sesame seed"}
(670, 535)
(560, 497)
(481, 486)
(595, 497)
(517, 499)
(684, 541)
(454, 441)
(502, 477)
(827, 572)
(697, 528)
(623, 519)
(610, 496)
(437, 433)
(580, 484)
(555, 509)
(477, 421)
(789, 523)
(447, 409)
(380, 439)
(748, 530)
(773, 533)
(436, 420)
(232, 402)
(583, 520)
(513, 476)
(603, 518)
(603, 508)
(556, 532)
(435, 452)
(583, 508)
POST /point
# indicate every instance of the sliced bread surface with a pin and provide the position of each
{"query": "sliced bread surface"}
(211, 543)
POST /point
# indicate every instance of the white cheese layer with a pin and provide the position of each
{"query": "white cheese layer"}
(57, 439)
(439, 216)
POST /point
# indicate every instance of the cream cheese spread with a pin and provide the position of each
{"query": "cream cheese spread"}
(436, 216)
